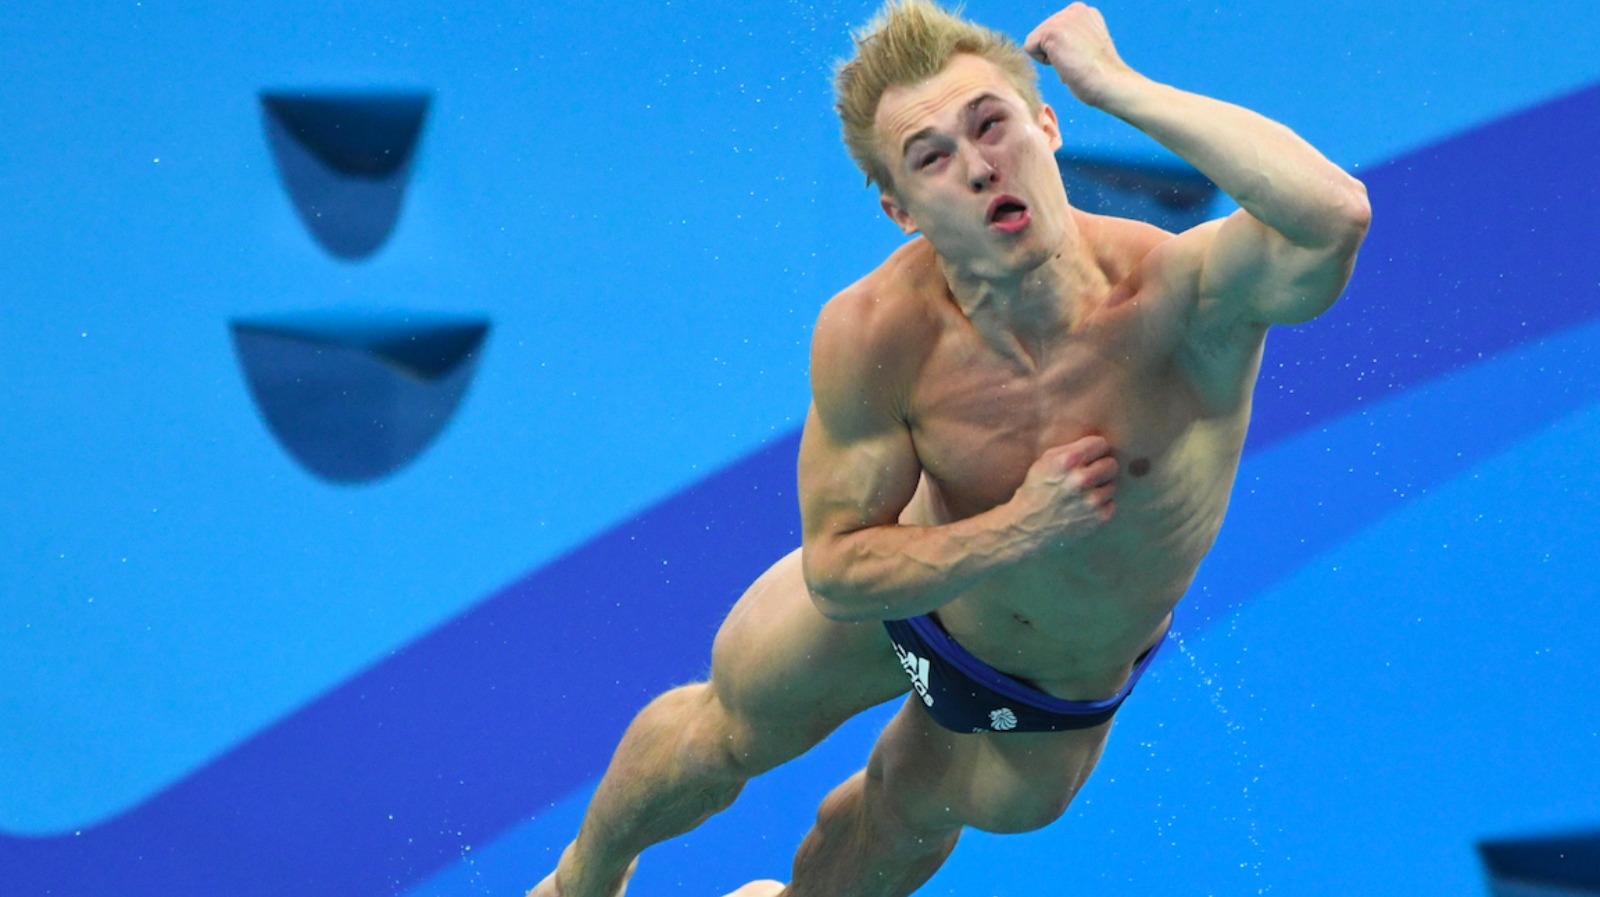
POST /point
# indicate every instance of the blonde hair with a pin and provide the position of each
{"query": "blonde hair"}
(907, 42)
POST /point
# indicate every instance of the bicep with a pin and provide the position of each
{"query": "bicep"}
(1247, 271)
(858, 465)
(857, 472)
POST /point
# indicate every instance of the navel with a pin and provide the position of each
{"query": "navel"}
(1139, 467)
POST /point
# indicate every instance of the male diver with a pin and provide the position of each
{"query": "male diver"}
(1025, 428)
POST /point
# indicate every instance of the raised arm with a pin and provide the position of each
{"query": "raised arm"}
(1286, 255)
(859, 471)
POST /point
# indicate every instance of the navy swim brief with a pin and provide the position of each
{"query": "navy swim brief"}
(964, 694)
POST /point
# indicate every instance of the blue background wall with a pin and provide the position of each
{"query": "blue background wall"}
(219, 672)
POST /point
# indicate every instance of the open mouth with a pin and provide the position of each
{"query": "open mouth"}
(1008, 213)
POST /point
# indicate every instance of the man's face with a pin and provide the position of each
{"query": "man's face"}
(974, 170)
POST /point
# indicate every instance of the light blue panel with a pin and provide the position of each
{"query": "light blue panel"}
(640, 217)
(650, 204)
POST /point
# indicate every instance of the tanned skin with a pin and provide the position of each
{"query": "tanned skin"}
(1027, 421)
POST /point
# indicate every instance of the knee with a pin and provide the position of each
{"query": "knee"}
(911, 793)
(756, 740)
(706, 731)
(924, 812)
(889, 817)
(720, 739)
(1011, 811)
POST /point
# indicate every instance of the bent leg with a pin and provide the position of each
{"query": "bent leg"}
(881, 832)
(668, 774)
(888, 828)
(783, 677)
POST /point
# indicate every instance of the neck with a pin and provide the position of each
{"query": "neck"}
(1023, 315)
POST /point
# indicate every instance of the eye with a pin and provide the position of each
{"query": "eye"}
(930, 158)
(989, 124)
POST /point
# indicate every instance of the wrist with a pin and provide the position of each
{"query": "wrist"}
(1013, 532)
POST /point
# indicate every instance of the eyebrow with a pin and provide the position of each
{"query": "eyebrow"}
(930, 130)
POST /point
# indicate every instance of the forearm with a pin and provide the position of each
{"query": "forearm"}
(893, 572)
(1265, 167)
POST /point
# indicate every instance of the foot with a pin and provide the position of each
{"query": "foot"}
(763, 888)
(546, 888)
(552, 888)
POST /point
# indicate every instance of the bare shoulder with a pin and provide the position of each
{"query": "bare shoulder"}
(1163, 270)
(1123, 247)
(1173, 269)
(1137, 259)
(1124, 242)
(875, 333)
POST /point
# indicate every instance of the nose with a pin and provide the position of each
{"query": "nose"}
(980, 173)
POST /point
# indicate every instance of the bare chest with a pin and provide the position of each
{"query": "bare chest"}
(979, 421)
(979, 424)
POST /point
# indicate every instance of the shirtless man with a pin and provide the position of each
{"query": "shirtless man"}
(1025, 429)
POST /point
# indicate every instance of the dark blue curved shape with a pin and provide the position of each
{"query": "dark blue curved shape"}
(370, 135)
(478, 725)
(1172, 196)
(356, 397)
(345, 160)
(1557, 866)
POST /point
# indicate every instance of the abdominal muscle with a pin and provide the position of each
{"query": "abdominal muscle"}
(1052, 630)
(1073, 621)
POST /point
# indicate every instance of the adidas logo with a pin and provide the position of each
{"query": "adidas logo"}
(917, 668)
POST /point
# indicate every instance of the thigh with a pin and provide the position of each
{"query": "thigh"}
(1028, 779)
(1002, 782)
(779, 666)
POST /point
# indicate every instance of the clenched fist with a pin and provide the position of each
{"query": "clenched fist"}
(1077, 45)
(1068, 493)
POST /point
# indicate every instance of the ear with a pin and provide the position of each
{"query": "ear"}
(897, 214)
(1049, 125)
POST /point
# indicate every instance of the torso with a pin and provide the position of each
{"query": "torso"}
(1073, 621)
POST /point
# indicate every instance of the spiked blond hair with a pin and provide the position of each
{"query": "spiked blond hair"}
(907, 42)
